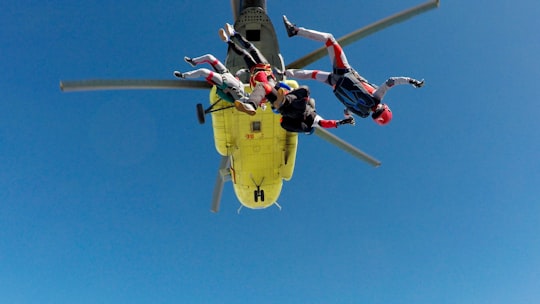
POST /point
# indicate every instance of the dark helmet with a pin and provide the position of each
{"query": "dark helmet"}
(382, 115)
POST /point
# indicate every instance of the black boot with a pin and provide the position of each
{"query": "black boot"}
(291, 29)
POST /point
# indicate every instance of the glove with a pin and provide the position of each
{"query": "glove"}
(346, 121)
(289, 73)
(277, 71)
(417, 83)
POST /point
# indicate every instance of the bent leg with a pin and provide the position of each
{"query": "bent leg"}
(335, 52)
(253, 51)
(250, 61)
(210, 76)
(259, 93)
(210, 59)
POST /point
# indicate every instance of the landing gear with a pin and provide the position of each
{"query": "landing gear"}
(258, 194)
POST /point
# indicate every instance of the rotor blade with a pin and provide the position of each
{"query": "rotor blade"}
(365, 31)
(340, 143)
(221, 178)
(130, 84)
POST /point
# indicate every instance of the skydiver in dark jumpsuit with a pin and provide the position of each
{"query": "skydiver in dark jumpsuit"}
(262, 79)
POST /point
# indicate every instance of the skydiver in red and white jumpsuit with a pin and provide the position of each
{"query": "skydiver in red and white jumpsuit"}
(228, 86)
(355, 92)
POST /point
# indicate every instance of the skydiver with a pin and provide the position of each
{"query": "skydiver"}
(228, 86)
(355, 92)
(262, 79)
(298, 112)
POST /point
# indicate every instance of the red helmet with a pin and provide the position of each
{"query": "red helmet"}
(259, 76)
(382, 115)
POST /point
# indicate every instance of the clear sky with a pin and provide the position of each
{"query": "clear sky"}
(105, 196)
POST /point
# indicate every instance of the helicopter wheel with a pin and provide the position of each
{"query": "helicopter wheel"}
(200, 113)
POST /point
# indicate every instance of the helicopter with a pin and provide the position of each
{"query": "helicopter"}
(257, 154)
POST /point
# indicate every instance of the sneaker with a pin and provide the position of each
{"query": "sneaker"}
(346, 113)
(179, 74)
(229, 29)
(223, 35)
(190, 61)
(244, 107)
(291, 29)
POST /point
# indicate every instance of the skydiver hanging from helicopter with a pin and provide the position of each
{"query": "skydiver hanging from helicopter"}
(355, 92)
(262, 79)
(228, 86)
(298, 112)
(296, 107)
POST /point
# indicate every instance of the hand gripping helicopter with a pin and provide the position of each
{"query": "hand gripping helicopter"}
(256, 153)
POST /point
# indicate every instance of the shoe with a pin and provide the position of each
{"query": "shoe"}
(346, 113)
(229, 29)
(291, 29)
(179, 74)
(190, 61)
(245, 107)
(223, 35)
(311, 102)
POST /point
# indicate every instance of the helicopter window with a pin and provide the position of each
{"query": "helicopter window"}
(256, 126)
(253, 35)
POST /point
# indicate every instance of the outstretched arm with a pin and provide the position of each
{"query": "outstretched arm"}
(392, 81)
(332, 123)
(320, 76)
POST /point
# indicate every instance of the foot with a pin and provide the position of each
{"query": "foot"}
(190, 61)
(245, 107)
(223, 35)
(229, 29)
(291, 29)
(178, 74)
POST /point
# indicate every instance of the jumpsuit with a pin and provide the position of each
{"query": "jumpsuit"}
(228, 86)
(352, 90)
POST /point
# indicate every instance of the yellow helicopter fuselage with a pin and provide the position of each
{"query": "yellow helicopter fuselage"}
(261, 153)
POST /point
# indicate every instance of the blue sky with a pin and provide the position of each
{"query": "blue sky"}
(105, 196)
